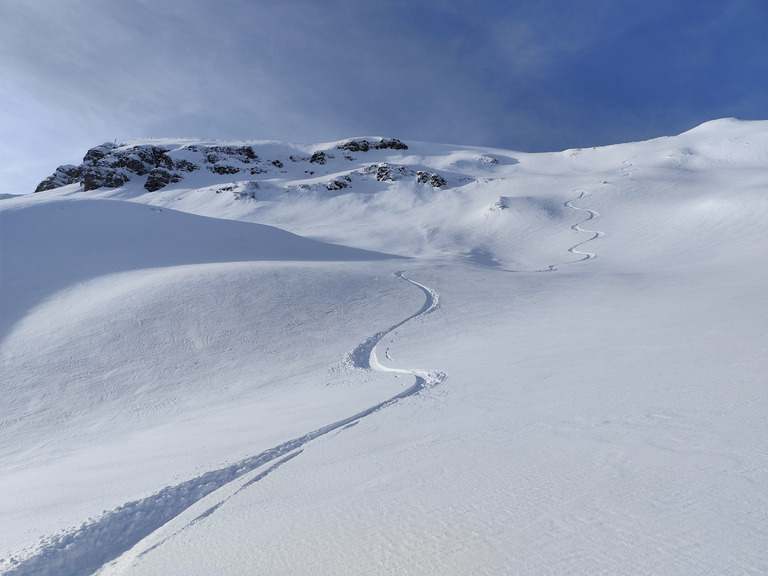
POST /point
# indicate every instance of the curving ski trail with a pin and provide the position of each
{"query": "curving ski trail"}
(423, 377)
(364, 356)
(577, 228)
(117, 536)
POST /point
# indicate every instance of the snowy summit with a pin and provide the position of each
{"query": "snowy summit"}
(376, 356)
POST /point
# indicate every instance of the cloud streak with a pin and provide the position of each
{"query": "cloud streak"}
(538, 75)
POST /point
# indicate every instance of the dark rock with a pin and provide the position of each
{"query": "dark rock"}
(64, 175)
(318, 158)
(132, 165)
(355, 146)
(392, 143)
(164, 174)
(224, 169)
(98, 152)
(437, 181)
(140, 159)
(165, 161)
(339, 183)
(214, 154)
(384, 173)
(157, 179)
(185, 165)
(104, 177)
(244, 154)
(365, 145)
(107, 166)
(434, 180)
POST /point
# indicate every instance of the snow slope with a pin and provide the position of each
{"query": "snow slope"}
(551, 363)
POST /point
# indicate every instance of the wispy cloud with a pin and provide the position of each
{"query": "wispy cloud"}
(541, 74)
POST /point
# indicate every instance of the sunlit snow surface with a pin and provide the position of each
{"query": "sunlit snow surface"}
(554, 364)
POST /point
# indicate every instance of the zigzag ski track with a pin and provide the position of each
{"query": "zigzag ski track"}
(592, 214)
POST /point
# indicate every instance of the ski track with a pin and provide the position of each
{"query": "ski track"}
(577, 228)
(86, 549)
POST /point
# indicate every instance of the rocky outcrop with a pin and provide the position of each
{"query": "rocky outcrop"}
(112, 166)
(108, 166)
(366, 145)
(214, 154)
(103, 177)
(385, 172)
(160, 178)
(434, 180)
(98, 152)
(227, 160)
(319, 158)
(339, 183)
(64, 175)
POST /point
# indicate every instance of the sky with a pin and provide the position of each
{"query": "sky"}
(539, 75)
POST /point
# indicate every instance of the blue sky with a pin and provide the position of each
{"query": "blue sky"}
(532, 76)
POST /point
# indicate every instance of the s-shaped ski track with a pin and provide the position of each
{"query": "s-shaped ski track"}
(577, 228)
(116, 539)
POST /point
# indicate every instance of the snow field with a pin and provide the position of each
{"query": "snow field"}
(602, 417)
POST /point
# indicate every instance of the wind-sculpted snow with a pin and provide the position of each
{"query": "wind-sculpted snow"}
(65, 242)
(85, 549)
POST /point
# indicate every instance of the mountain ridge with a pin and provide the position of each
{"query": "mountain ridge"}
(485, 205)
(110, 165)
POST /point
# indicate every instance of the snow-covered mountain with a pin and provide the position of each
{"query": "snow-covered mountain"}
(374, 356)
